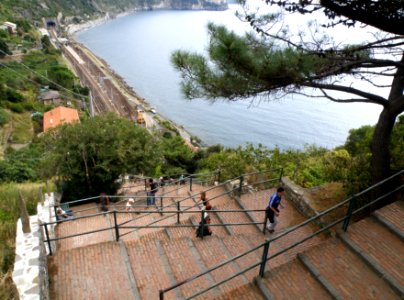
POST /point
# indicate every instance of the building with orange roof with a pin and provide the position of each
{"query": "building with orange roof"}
(58, 116)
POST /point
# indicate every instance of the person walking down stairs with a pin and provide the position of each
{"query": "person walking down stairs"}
(272, 211)
(151, 192)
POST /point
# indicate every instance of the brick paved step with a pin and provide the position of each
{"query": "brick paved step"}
(245, 292)
(292, 281)
(94, 272)
(289, 216)
(212, 252)
(289, 240)
(238, 244)
(185, 261)
(84, 209)
(393, 214)
(381, 245)
(235, 217)
(77, 226)
(150, 268)
(346, 273)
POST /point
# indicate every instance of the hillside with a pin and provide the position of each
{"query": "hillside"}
(76, 11)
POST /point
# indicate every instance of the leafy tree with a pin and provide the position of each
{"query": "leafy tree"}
(276, 62)
(398, 144)
(359, 140)
(178, 157)
(21, 165)
(61, 75)
(46, 43)
(88, 157)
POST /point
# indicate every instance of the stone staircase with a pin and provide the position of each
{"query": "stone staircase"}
(367, 262)
(140, 265)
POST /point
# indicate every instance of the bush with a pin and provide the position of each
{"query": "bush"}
(4, 117)
(14, 96)
(16, 107)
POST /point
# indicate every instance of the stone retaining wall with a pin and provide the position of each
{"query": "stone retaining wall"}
(30, 273)
(296, 195)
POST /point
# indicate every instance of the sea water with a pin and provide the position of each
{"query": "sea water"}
(138, 47)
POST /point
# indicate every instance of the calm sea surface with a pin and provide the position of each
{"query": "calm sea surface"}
(138, 47)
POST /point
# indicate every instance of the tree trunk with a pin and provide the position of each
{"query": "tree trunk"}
(381, 145)
(384, 127)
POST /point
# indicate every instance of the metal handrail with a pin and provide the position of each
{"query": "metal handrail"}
(127, 196)
(173, 213)
(206, 190)
(116, 227)
(148, 213)
(266, 244)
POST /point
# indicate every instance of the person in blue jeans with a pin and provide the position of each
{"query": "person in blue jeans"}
(151, 193)
(272, 211)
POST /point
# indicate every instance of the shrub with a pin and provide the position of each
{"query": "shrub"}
(16, 107)
(4, 117)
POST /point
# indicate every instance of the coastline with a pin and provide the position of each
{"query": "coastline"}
(73, 29)
(132, 96)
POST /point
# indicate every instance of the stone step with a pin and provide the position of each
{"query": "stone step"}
(346, 273)
(216, 196)
(289, 216)
(213, 252)
(289, 240)
(150, 268)
(239, 244)
(245, 292)
(185, 261)
(291, 281)
(381, 245)
(236, 217)
(93, 272)
(379, 248)
(392, 214)
(78, 226)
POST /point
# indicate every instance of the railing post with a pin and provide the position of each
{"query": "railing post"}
(161, 295)
(264, 258)
(190, 183)
(218, 176)
(47, 238)
(145, 184)
(161, 205)
(280, 175)
(349, 214)
(202, 225)
(265, 222)
(116, 227)
(240, 186)
(178, 212)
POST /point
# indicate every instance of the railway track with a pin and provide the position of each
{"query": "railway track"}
(106, 95)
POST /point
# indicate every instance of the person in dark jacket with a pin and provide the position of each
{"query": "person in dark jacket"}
(272, 211)
(203, 228)
(151, 192)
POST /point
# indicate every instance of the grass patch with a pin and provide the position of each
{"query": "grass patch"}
(9, 214)
(22, 128)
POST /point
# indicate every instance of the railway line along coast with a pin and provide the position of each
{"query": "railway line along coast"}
(108, 91)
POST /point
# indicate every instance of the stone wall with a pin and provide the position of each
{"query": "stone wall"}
(296, 195)
(30, 273)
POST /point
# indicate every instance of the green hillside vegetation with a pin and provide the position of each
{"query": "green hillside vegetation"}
(9, 214)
